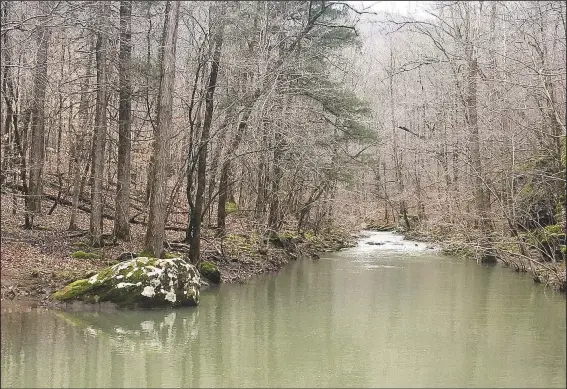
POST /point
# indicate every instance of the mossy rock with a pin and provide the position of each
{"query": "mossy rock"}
(210, 271)
(141, 282)
(84, 255)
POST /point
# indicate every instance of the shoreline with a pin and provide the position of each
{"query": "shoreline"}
(29, 279)
(551, 274)
(238, 264)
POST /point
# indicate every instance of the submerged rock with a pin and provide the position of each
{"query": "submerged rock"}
(141, 282)
(211, 272)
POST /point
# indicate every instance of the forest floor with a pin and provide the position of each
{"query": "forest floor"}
(35, 263)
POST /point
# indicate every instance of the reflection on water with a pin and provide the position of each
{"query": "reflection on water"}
(365, 317)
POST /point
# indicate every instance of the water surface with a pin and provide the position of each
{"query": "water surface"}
(389, 315)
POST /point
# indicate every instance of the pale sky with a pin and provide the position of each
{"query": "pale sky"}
(405, 8)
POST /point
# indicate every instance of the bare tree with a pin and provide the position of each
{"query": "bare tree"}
(121, 221)
(37, 156)
(197, 211)
(99, 135)
(155, 232)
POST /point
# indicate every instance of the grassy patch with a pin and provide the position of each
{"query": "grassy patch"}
(231, 207)
(84, 255)
(239, 242)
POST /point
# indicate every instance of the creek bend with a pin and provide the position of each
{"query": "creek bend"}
(387, 315)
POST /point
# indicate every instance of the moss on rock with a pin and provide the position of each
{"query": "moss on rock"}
(72, 290)
(141, 282)
(210, 271)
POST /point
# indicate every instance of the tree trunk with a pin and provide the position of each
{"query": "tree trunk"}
(274, 208)
(197, 211)
(121, 224)
(7, 91)
(215, 160)
(37, 154)
(481, 200)
(397, 155)
(21, 143)
(99, 135)
(155, 233)
(262, 188)
(58, 163)
(78, 149)
(225, 171)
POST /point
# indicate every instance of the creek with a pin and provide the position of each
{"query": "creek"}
(394, 314)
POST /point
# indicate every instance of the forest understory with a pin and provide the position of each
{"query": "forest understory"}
(35, 263)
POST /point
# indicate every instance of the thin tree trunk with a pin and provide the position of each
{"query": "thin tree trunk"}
(21, 143)
(225, 171)
(192, 156)
(274, 207)
(58, 163)
(76, 189)
(121, 224)
(196, 214)
(99, 135)
(481, 200)
(262, 188)
(7, 91)
(216, 159)
(79, 148)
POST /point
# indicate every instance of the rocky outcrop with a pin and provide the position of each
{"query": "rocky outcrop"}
(138, 283)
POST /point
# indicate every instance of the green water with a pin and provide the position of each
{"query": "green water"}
(371, 316)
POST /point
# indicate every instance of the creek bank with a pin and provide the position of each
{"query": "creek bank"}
(507, 253)
(33, 270)
(241, 256)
